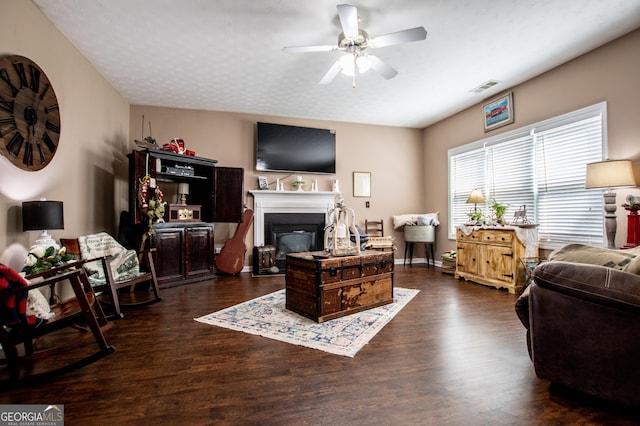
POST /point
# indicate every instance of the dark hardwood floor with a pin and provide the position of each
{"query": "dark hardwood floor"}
(455, 355)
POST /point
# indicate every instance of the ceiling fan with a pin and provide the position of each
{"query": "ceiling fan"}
(354, 41)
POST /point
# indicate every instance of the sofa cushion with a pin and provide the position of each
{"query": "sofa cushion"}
(581, 253)
(399, 221)
(633, 267)
(591, 281)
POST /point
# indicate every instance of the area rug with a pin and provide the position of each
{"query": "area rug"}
(267, 316)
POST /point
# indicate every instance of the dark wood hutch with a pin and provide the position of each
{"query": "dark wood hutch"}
(185, 246)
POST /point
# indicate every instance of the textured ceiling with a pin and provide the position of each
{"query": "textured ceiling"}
(226, 55)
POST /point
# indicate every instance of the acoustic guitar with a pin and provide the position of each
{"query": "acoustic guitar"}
(231, 257)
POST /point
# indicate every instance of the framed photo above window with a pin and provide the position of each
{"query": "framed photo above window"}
(362, 184)
(498, 112)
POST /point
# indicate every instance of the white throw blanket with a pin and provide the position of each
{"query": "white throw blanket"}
(124, 263)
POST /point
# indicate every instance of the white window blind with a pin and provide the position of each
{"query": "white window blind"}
(541, 166)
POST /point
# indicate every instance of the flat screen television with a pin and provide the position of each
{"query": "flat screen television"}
(284, 148)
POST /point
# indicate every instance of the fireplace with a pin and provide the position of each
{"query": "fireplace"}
(293, 233)
(296, 218)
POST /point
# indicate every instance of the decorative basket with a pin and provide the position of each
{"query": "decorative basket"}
(448, 265)
(419, 233)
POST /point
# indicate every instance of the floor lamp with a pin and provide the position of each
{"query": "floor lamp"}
(607, 175)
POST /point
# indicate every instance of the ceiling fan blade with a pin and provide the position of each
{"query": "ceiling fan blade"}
(386, 71)
(349, 20)
(405, 36)
(332, 73)
(303, 49)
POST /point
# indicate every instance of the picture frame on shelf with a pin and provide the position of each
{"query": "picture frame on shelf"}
(362, 184)
(498, 112)
(263, 182)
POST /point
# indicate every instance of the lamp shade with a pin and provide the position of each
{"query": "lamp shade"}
(183, 188)
(610, 174)
(475, 197)
(42, 215)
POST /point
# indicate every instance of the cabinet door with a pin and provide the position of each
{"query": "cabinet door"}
(497, 263)
(169, 255)
(228, 194)
(199, 251)
(467, 258)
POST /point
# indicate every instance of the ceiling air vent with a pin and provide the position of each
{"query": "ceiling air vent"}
(484, 86)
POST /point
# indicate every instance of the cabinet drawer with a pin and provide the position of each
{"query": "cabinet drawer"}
(497, 237)
(474, 237)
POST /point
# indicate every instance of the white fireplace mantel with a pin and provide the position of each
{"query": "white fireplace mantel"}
(267, 201)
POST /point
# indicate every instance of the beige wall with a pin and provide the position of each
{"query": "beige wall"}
(89, 171)
(408, 166)
(609, 74)
(392, 155)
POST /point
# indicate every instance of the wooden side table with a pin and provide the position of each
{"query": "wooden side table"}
(633, 229)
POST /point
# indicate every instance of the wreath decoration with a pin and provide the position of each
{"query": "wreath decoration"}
(150, 201)
(143, 193)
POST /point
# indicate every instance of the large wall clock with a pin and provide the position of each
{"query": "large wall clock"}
(29, 114)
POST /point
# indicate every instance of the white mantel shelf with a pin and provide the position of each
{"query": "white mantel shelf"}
(267, 201)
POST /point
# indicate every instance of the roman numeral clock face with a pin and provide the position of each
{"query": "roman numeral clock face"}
(29, 114)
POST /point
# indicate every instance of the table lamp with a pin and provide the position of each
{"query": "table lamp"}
(41, 216)
(607, 175)
(183, 191)
(474, 198)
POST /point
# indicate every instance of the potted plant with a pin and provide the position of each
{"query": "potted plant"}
(475, 217)
(498, 211)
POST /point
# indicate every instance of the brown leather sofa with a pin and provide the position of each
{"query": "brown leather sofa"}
(583, 329)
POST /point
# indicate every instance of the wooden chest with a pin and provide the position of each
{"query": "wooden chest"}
(264, 259)
(323, 288)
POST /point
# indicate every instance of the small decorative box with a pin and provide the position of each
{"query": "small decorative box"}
(184, 213)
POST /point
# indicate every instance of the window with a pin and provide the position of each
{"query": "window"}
(541, 166)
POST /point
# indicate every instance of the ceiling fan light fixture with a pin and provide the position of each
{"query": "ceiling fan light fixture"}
(348, 64)
(350, 61)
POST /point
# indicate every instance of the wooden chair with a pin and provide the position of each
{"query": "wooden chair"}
(374, 228)
(80, 310)
(111, 284)
(377, 241)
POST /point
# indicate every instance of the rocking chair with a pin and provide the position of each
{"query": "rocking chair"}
(111, 267)
(17, 328)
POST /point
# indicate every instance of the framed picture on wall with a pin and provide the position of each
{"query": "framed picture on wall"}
(362, 184)
(498, 112)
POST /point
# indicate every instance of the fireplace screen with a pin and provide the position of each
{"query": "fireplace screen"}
(293, 242)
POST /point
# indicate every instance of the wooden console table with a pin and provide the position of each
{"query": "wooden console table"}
(493, 256)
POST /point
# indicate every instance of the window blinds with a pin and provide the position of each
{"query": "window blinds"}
(541, 166)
